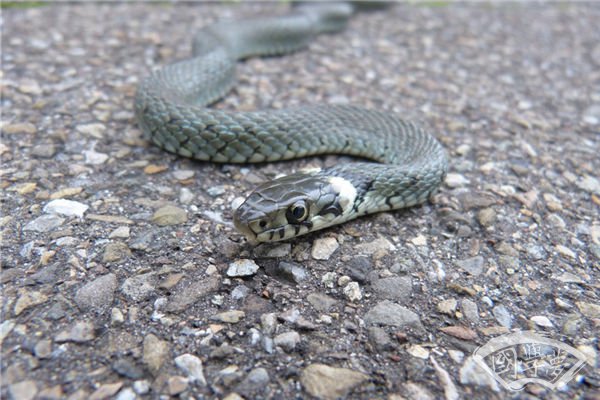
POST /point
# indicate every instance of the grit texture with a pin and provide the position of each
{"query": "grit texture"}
(122, 276)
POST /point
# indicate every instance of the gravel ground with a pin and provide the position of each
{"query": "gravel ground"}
(123, 277)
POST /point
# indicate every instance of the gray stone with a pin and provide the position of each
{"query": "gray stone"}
(393, 288)
(380, 244)
(140, 287)
(155, 352)
(471, 373)
(183, 174)
(47, 150)
(454, 180)
(215, 191)
(98, 294)
(358, 268)
(473, 265)
(556, 221)
(44, 223)
(128, 368)
(126, 394)
(169, 215)
(24, 390)
(379, 338)
(177, 385)
(324, 248)
(94, 158)
(143, 241)
(392, 314)
(486, 217)
(287, 340)
(95, 130)
(447, 306)
(255, 381)
(536, 252)
(502, 315)
(329, 383)
(352, 291)
(268, 323)
(242, 267)
(106, 391)
(192, 367)
(231, 317)
(43, 348)
(270, 250)
(141, 387)
(321, 302)
(80, 332)
(595, 250)
(469, 309)
(509, 262)
(186, 196)
(27, 299)
(121, 232)
(589, 184)
(239, 292)
(290, 272)
(116, 251)
(197, 290)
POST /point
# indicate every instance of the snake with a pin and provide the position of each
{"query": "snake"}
(400, 164)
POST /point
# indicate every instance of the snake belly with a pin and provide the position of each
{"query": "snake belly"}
(171, 108)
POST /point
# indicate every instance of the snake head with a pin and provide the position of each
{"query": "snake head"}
(294, 205)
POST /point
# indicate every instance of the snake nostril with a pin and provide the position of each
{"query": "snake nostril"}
(262, 223)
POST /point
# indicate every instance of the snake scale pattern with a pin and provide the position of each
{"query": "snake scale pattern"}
(171, 108)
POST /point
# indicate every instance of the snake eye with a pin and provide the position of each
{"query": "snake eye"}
(297, 212)
(262, 223)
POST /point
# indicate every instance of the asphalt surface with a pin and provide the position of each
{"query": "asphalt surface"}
(123, 277)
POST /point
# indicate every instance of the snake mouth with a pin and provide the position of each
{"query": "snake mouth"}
(245, 230)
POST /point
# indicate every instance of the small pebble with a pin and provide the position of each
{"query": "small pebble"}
(98, 294)
(454, 180)
(183, 174)
(323, 248)
(45, 223)
(154, 355)
(502, 315)
(106, 391)
(80, 332)
(177, 384)
(542, 321)
(192, 367)
(392, 314)
(94, 130)
(447, 306)
(242, 267)
(325, 382)
(473, 265)
(169, 215)
(232, 316)
(121, 232)
(287, 340)
(352, 291)
(94, 158)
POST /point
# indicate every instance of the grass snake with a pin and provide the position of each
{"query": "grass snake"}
(171, 108)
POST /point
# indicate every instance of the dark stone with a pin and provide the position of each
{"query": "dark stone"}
(128, 368)
(358, 269)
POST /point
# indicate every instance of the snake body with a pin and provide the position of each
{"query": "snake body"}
(171, 108)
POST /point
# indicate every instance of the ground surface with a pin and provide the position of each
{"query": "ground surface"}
(137, 298)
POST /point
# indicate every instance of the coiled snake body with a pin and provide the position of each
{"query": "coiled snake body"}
(171, 109)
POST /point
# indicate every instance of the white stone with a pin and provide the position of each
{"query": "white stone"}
(65, 207)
